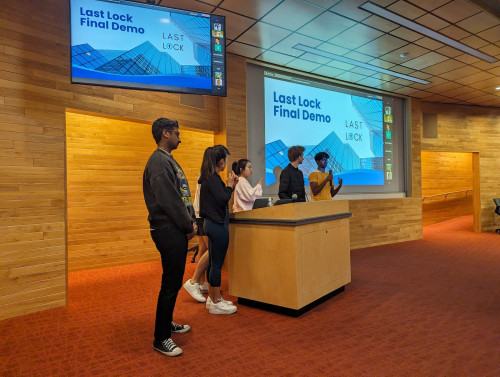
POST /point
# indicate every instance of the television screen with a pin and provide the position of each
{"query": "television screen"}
(361, 131)
(141, 46)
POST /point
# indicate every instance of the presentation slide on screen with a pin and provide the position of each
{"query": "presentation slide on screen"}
(349, 128)
(131, 42)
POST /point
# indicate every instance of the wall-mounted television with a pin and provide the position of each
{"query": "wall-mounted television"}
(141, 46)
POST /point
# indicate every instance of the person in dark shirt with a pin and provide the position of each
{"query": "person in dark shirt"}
(291, 178)
(172, 224)
(214, 198)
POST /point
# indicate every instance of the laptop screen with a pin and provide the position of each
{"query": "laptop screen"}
(260, 203)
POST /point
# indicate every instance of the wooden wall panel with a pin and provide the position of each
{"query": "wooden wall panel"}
(35, 91)
(235, 109)
(472, 129)
(233, 113)
(446, 172)
(383, 221)
(106, 213)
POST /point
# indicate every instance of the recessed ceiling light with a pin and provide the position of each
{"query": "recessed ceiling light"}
(343, 59)
(403, 55)
(388, 15)
(498, 88)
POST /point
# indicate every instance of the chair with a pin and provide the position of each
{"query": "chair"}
(497, 210)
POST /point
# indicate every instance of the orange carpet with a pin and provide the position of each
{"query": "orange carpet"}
(421, 308)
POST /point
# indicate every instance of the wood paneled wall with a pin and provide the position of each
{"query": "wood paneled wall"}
(235, 110)
(106, 211)
(446, 172)
(472, 129)
(35, 91)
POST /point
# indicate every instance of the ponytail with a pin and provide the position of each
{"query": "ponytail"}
(210, 159)
(234, 167)
(205, 164)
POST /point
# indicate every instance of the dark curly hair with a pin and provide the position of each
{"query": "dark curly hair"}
(321, 155)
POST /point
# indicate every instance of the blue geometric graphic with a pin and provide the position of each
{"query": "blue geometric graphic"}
(343, 162)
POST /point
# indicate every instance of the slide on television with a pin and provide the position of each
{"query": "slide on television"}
(347, 127)
(139, 45)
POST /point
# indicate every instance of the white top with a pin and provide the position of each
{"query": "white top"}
(245, 195)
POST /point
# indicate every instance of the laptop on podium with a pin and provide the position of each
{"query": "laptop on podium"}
(260, 203)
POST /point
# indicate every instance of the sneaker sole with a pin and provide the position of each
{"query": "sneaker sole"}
(207, 304)
(218, 311)
(176, 352)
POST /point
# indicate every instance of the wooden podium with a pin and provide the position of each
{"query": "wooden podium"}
(289, 258)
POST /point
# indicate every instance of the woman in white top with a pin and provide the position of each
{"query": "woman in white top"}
(244, 193)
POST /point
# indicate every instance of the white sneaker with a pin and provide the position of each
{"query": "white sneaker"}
(221, 308)
(227, 301)
(209, 300)
(194, 291)
(204, 287)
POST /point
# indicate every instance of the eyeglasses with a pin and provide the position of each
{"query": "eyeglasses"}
(176, 133)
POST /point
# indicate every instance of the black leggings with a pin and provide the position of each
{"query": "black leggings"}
(218, 241)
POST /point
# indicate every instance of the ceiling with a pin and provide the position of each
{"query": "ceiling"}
(268, 31)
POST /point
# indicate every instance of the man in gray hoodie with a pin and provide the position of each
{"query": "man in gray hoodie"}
(172, 224)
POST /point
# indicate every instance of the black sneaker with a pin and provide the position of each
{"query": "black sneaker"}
(167, 347)
(179, 329)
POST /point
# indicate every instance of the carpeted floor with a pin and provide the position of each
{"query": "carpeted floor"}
(421, 308)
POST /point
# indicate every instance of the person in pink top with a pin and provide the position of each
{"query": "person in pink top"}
(244, 193)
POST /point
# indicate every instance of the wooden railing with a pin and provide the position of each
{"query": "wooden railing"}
(446, 194)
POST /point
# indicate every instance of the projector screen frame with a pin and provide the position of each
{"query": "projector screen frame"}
(256, 146)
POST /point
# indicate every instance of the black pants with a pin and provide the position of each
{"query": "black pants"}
(172, 245)
(218, 241)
